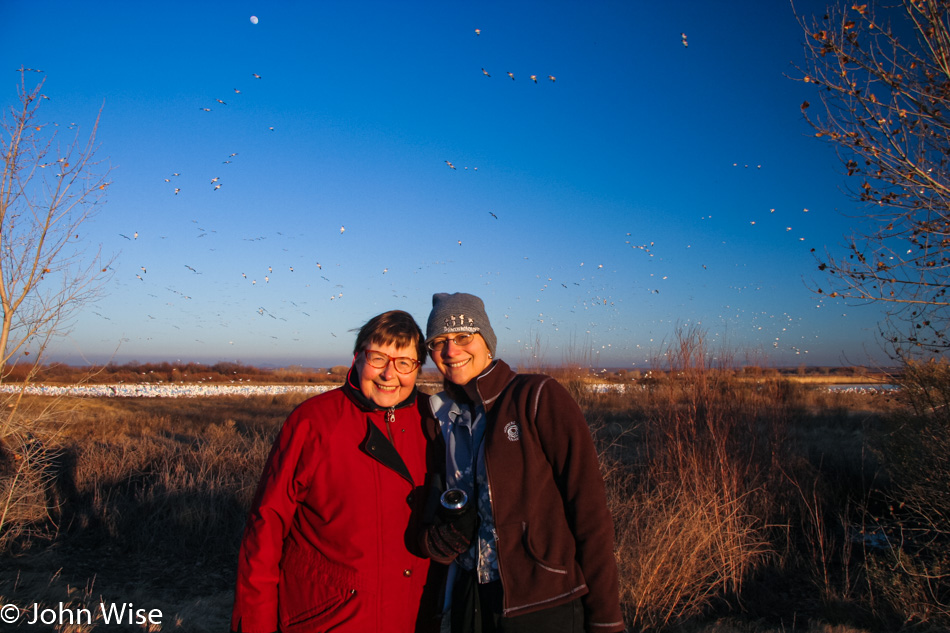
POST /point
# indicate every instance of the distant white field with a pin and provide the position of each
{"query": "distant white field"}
(161, 390)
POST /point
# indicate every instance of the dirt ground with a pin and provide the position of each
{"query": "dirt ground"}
(187, 594)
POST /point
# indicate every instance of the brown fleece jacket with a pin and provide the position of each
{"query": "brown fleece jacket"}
(554, 532)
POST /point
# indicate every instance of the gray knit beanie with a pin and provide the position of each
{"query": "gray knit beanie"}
(459, 312)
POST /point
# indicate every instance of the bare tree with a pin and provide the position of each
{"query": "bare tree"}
(48, 190)
(882, 74)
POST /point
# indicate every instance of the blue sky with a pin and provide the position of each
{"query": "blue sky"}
(652, 185)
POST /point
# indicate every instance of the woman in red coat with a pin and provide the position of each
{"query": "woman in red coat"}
(329, 544)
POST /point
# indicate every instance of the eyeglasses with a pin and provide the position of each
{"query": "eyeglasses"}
(460, 340)
(402, 364)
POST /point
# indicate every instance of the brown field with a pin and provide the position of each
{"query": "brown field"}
(740, 505)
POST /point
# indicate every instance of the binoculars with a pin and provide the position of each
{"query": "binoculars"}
(454, 501)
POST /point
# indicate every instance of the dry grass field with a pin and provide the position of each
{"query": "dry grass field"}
(741, 505)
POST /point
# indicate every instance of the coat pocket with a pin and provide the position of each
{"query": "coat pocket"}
(534, 552)
(303, 606)
(313, 594)
(540, 574)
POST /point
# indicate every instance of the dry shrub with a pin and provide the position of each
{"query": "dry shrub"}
(30, 450)
(911, 572)
(691, 507)
(681, 545)
(24, 486)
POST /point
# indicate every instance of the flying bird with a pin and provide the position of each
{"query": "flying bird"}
(512, 75)
(552, 78)
(450, 164)
(485, 72)
(534, 78)
(256, 76)
(478, 31)
(342, 228)
(683, 37)
(493, 215)
(221, 102)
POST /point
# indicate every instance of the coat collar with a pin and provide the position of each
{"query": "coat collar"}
(377, 445)
(489, 384)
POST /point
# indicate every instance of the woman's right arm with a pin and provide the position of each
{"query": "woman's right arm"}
(283, 483)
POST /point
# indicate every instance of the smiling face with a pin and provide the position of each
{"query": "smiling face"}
(462, 364)
(386, 387)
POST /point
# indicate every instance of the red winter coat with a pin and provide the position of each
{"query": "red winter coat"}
(326, 545)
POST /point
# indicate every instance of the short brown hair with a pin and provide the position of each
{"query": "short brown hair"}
(392, 328)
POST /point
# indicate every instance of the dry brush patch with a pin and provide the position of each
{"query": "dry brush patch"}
(697, 471)
(144, 502)
(705, 473)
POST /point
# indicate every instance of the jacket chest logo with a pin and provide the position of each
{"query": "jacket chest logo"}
(513, 431)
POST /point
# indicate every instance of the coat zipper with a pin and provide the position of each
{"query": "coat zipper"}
(491, 497)
(390, 418)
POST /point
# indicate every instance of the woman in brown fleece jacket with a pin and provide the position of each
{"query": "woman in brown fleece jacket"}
(533, 549)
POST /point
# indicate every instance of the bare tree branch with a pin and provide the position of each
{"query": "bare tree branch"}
(882, 73)
(48, 191)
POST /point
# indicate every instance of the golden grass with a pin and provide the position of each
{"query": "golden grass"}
(144, 500)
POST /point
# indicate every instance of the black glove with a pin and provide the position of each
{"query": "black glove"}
(451, 533)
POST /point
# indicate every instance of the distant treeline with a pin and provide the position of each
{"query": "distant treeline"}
(135, 372)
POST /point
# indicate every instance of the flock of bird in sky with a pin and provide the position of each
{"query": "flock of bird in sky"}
(260, 273)
(216, 182)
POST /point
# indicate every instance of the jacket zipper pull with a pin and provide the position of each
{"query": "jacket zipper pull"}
(390, 418)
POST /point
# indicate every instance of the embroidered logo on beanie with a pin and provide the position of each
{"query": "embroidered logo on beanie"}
(457, 321)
